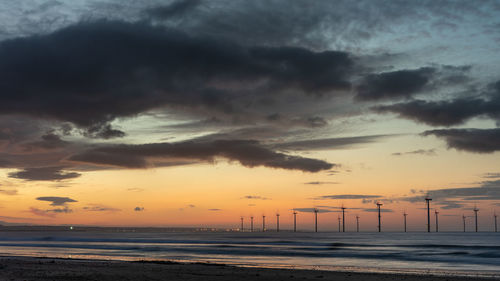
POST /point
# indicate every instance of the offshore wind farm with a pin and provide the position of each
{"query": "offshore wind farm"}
(341, 220)
(249, 140)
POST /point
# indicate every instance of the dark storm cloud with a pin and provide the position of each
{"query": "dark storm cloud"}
(329, 143)
(176, 9)
(91, 73)
(446, 112)
(450, 112)
(4, 163)
(427, 152)
(56, 201)
(396, 84)
(471, 140)
(103, 132)
(48, 141)
(343, 23)
(44, 174)
(247, 153)
(348, 196)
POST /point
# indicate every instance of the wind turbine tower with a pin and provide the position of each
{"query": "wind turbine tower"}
(343, 218)
(277, 222)
(241, 229)
(495, 216)
(475, 214)
(357, 223)
(463, 218)
(315, 220)
(263, 223)
(294, 221)
(251, 224)
(437, 223)
(404, 215)
(379, 225)
(428, 200)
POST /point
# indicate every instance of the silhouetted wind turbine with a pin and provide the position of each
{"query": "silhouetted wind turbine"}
(357, 223)
(263, 223)
(251, 224)
(316, 220)
(277, 222)
(241, 224)
(404, 215)
(294, 221)
(495, 216)
(428, 200)
(343, 218)
(379, 224)
(463, 218)
(475, 214)
(339, 222)
(437, 223)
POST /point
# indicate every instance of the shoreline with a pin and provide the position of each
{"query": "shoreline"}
(46, 268)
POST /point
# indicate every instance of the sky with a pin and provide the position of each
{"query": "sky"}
(194, 113)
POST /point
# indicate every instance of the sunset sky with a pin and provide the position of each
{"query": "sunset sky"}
(195, 113)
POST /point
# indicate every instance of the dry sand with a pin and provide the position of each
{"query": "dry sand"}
(25, 268)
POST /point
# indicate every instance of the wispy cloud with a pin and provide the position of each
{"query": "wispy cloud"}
(100, 208)
(373, 210)
(347, 196)
(255, 197)
(426, 152)
(320, 182)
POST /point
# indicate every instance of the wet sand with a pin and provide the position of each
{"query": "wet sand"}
(27, 268)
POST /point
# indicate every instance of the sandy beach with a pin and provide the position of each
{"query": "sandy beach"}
(27, 268)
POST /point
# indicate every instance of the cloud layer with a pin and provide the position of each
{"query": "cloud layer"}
(247, 153)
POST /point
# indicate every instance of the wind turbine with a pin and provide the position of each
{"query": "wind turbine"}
(463, 218)
(241, 229)
(277, 222)
(428, 200)
(316, 220)
(495, 216)
(379, 224)
(437, 223)
(339, 222)
(343, 217)
(357, 223)
(475, 214)
(251, 224)
(263, 223)
(294, 221)
(404, 215)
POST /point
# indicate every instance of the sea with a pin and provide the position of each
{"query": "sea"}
(443, 253)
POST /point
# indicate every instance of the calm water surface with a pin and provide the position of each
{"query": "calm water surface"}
(467, 253)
